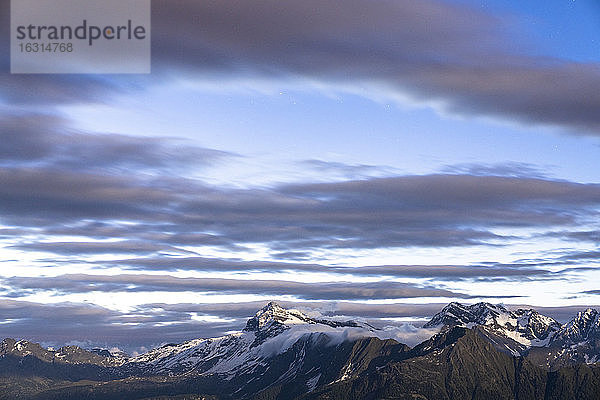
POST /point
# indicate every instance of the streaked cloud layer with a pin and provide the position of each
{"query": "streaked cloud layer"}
(112, 235)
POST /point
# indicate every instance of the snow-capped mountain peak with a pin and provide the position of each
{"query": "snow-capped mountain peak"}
(457, 314)
(535, 326)
(273, 314)
(272, 331)
(585, 326)
(526, 327)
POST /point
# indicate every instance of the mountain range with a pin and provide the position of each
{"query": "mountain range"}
(480, 351)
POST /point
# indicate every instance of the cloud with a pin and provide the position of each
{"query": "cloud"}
(37, 139)
(451, 57)
(509, 169)
(402, 211)
(425, 51)
(577, 236)
(578, 256)
(347, 171)
(147, 234)
(42, 197)
(592, 292)
(81, 283)
(213, 264)
(452, 272)
(407, 333)
(83, 248)
(437, 210)
(516, 271)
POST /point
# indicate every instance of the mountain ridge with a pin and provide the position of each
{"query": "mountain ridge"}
(525, 332)
(286, 355)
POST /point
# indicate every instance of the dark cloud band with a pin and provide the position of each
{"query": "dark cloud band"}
(76, 283)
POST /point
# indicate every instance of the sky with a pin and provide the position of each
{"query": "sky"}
(357, 159)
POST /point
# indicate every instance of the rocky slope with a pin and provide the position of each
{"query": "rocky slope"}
(460, 363)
